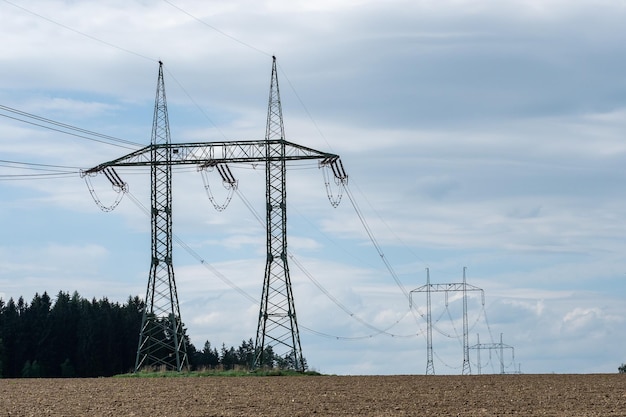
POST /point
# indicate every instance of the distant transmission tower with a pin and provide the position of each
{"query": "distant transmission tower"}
(429, 288)
(500, 347)
(161, 339)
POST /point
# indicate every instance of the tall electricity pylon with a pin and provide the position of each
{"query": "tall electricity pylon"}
(161, 338)
(429, 288)
(278, 326)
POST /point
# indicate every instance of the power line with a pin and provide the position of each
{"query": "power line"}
(65, 132)
(79, 32)
(67, 128)
(221, 32)
(324, 291)
(200, 109)
(197, 256)
(399, 239)
(112, 45)
(368, 230)
(34, 166)
(47, 171)
(51, 176)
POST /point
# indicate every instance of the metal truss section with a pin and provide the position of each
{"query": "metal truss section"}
(210, 153)
(452, 287)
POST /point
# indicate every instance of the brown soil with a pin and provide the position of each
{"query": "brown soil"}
(486, 395)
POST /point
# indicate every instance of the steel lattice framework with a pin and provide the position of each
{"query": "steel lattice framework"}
(278, 326)
(161, 338)
(429, 288)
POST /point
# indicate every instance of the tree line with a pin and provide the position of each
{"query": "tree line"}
(77, 337)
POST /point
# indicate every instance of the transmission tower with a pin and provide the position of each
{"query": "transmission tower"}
(429, 288)
(161, 341)
(500, 347)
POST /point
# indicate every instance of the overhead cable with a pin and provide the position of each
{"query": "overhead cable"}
(79, 32)
(68, 129)
(45, 171)
(221, 32)
(368, 230)
(327, 293)
(197, 256)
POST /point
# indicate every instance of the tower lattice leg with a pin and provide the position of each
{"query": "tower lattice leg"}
(161, 339)
(277, 330)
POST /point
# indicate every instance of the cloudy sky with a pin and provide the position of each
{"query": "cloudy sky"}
(479, 134)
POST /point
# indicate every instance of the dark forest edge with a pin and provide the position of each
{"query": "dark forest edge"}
(77, 337)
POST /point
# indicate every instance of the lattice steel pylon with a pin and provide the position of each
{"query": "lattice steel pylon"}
(278, 330)
(429, 288)
(161, 338)
(278, 325)
(493, 346)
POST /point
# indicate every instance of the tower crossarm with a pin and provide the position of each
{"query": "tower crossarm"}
(209, 153)
(490, 346)
(452, 287)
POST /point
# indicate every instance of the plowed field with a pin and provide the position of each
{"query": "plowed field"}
(485, 395)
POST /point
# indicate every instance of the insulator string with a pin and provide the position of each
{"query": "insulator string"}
(121, 189)
(334, 199)
(229, 183)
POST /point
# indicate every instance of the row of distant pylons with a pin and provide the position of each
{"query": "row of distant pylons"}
(458, 287)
